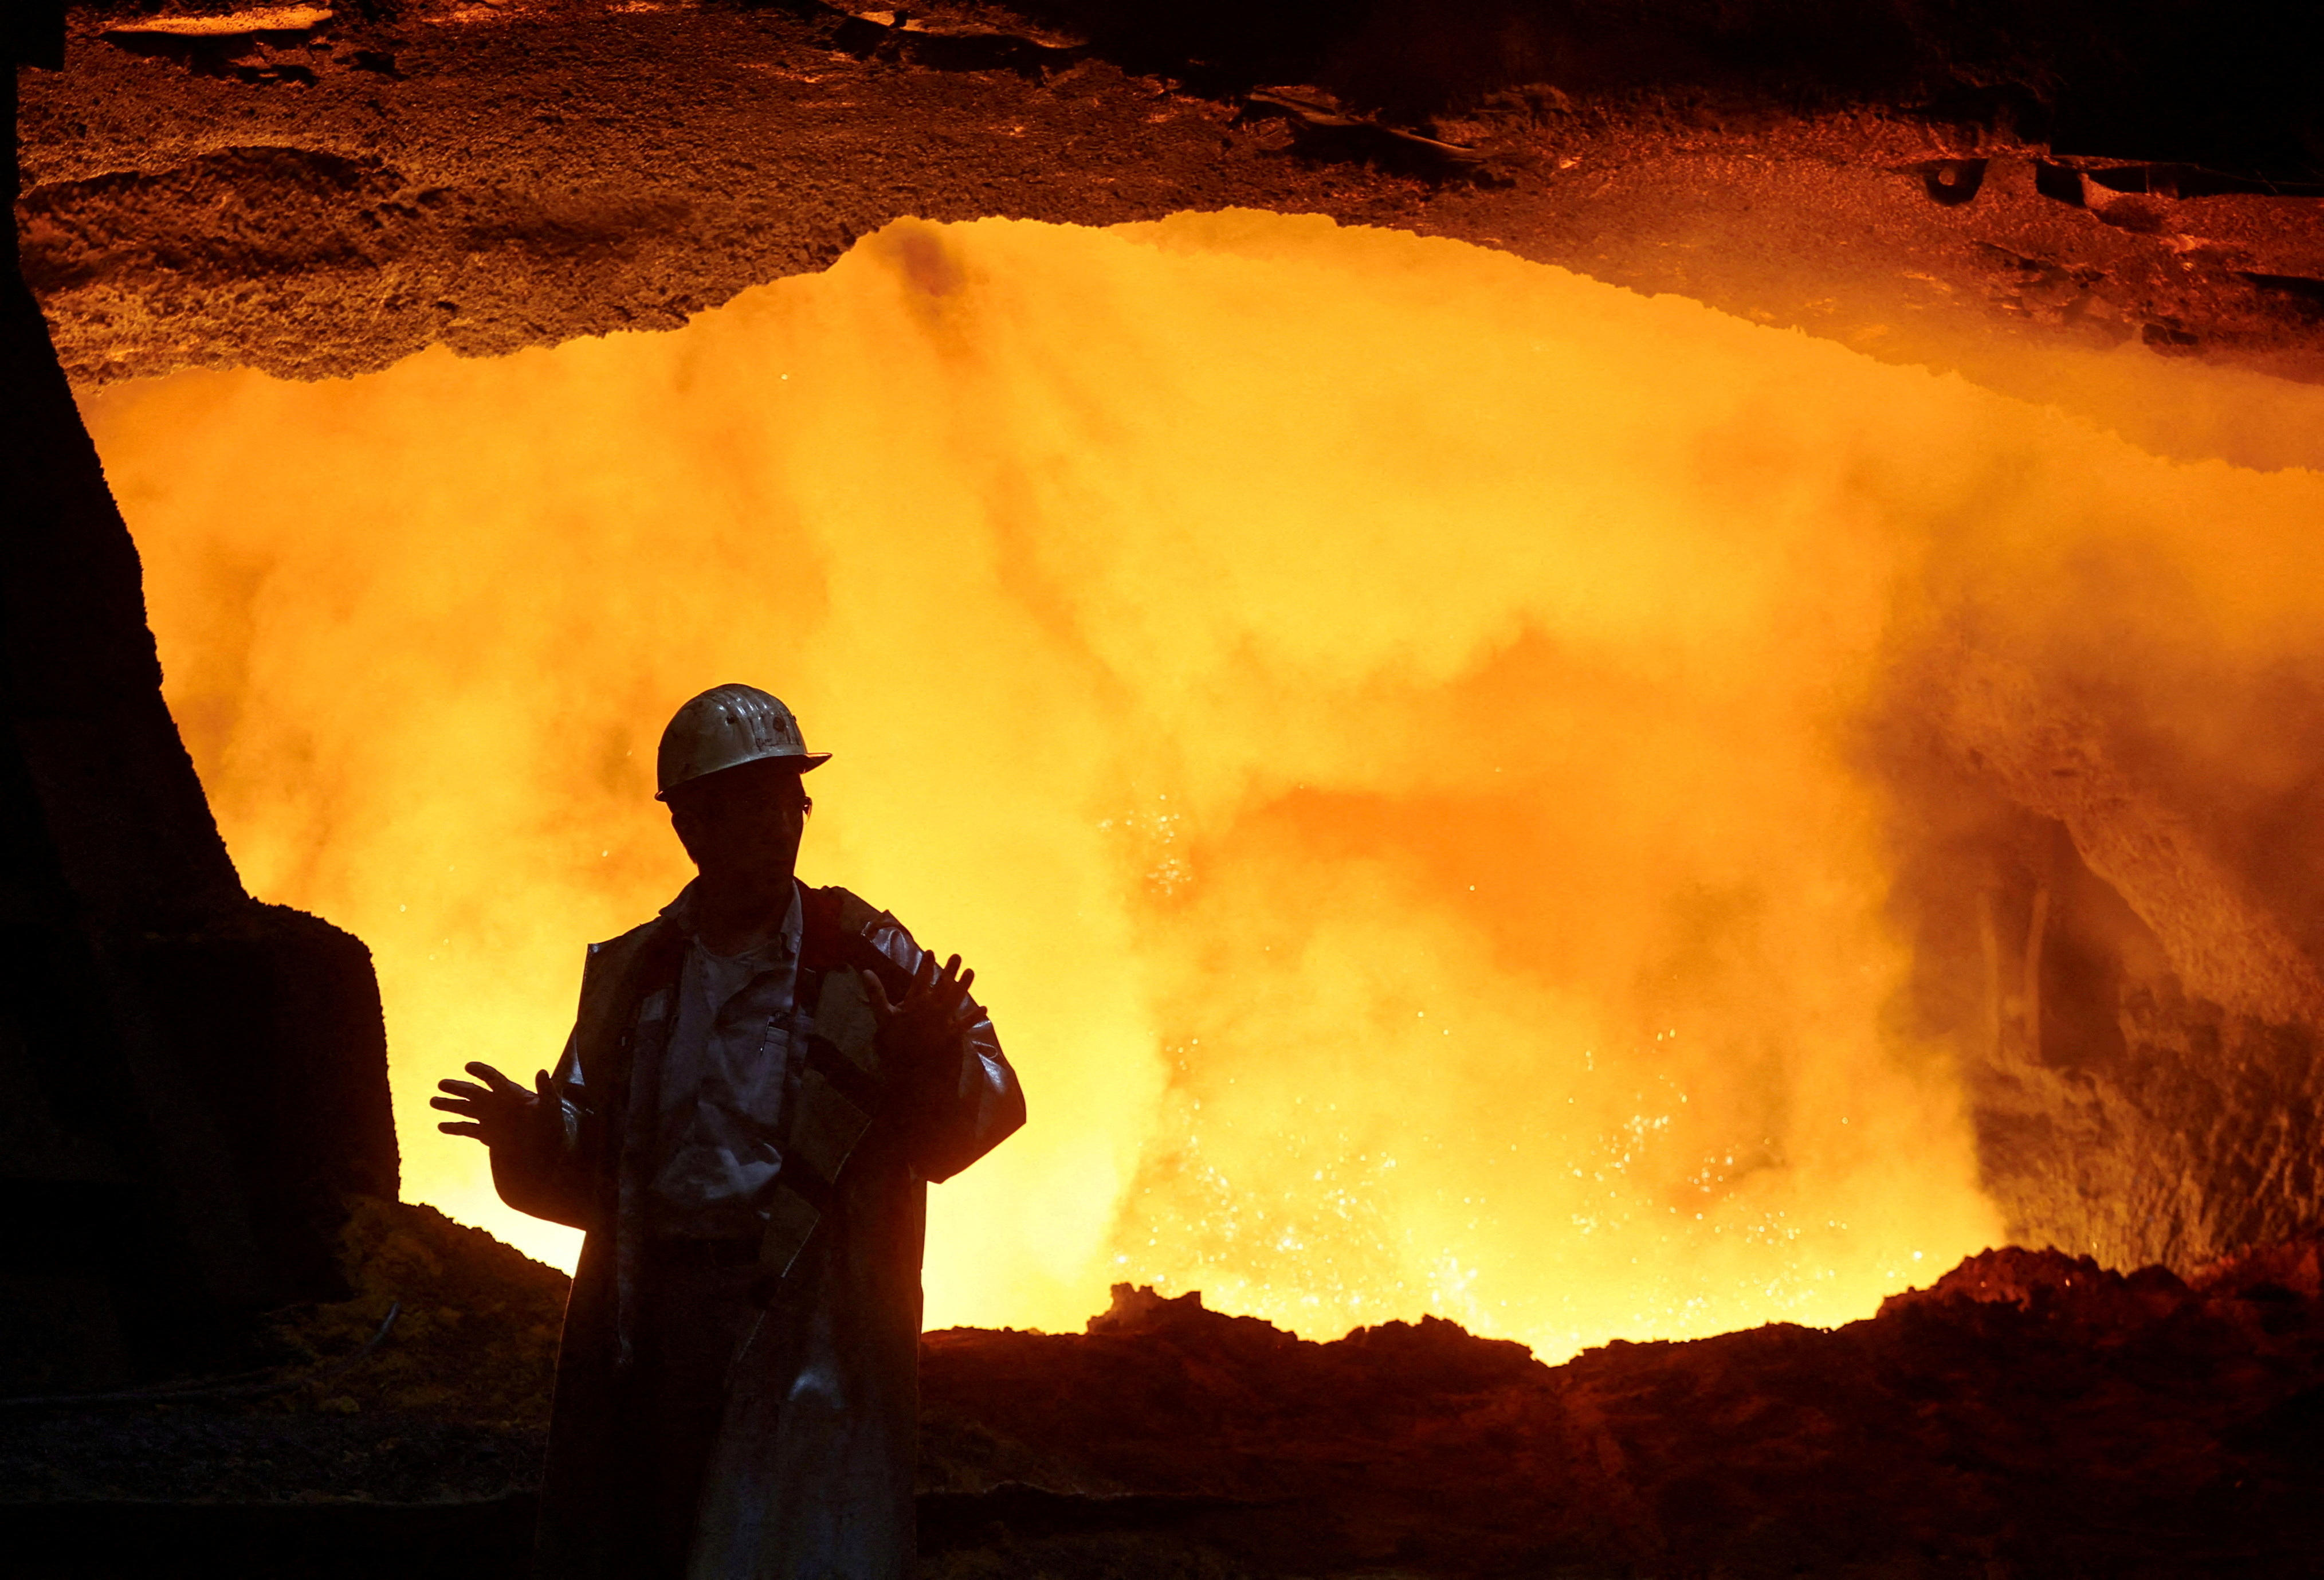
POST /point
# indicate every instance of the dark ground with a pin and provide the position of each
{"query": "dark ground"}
(2030, 1415)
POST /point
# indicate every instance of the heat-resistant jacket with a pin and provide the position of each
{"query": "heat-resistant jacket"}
(811, 1477)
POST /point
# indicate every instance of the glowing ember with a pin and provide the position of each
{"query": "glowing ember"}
(232, 24)
(1376, 712)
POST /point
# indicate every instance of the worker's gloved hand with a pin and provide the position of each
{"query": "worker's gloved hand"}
(920, 1037)
(499, 1113)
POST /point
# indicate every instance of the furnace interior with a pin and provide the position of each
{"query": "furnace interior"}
(1470, 790)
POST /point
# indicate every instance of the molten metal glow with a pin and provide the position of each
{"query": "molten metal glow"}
(1375, 712)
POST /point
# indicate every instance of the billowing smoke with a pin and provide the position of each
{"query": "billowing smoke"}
(1398, 731)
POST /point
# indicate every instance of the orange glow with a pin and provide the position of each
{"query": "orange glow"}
(1375, 712)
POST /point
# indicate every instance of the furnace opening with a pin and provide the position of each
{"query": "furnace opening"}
(1409, 739)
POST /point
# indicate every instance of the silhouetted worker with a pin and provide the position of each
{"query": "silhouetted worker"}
(757, 1087)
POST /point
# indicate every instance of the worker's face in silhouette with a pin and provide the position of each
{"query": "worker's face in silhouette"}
(742, 823)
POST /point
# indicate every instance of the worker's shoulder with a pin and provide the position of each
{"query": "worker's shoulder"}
(844, 911)
(840, 912)
(614, 951)
(844, 914)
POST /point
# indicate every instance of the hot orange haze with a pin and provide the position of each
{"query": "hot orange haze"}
(1376, 712)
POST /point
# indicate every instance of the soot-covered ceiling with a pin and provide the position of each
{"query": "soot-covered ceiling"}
(316, 190)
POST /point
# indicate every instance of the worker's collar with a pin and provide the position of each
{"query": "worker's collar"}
(683, 911)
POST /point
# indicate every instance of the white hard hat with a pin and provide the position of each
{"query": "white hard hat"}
(725, 727)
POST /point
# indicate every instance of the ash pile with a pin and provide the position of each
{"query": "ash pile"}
(2030, 1413)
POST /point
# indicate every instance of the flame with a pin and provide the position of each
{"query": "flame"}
(1379, 714)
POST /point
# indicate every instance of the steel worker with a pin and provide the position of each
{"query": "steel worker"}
(758, 1086)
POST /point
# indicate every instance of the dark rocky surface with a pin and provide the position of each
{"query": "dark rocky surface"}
(190, 1082)
(422, 1457)
(453, 1404)
(2124, 972)
(2030, 1414)
(327, 197)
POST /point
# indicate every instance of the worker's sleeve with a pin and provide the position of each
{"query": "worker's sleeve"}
(973, 1101)
(546, 1174)
(978, 1115)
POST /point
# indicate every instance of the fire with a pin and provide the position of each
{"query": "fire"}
(1380, 716)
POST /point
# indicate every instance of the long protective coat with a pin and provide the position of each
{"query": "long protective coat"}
(811, 1474)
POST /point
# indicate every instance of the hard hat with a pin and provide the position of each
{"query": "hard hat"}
(725, 727)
